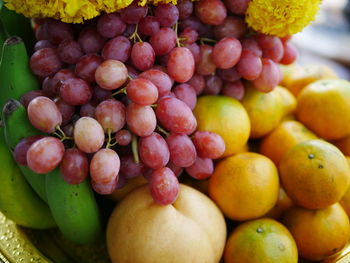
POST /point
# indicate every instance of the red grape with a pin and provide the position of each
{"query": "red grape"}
(192, 22)
(133, 13)
(197, 82)
(68, 130)
(46, 87)
(149, 25)
(58, 31)
(212, 12)
(74, 166)
(90, 40)
(86, 67)
(176, 169)
(30, 95)
(58, 78)
(100, 95)
(175, 115)
(250, 43)
(185, 8)
(43, 44)
(117, 48)
(234, 89)
(213, 85)
(290, 54)
(104, 166)
(163, 41)
(41, 33)
(111, 115)
(195, 50)
(87, 110)
(21, 149)
(163, 61)
(160, 79)
(209, 144)
(142, 91)
(201, 169)
(249, 65)
(111, 74)
(237, 7)
(66, 110)
(181, 64)
(154, 151)
(45, 154)
(232, 26)
(107, 188)
(122, 181)
(123, 137)
(167, 14)
(44, 114)
(269, 77)
(129, 169)
(182, 150)
(142, 56)
(189, 35)
(76, 91)
(88, 135)
(110, 25)
(129, 30)
(70, 51)
(164, 186)
(206, 65)
(271, 46)
(45, 62)
(187, 94)
(226, 52)
(140, 119)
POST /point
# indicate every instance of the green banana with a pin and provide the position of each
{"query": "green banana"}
(74, 208)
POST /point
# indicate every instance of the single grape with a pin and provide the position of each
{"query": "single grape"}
(90, 40)
(209, 144)
(226, 52)
(164, 186)
(187, 94)
(201, 169)
(87, 110)
(269, 77)
(197, 82)
(206, 65)
(167, 14)
(185, 8)
(230, 74)
(195, 50)
(41, 32)
(43, 114)
(100, 95)
(249, 65)
(45, 62)
(30, 95)
(213, 85)
(174, 115)
(110, 25)
(176, 169)
(21, 149)
(111, 115)
(142, 56)
(58, 78)
(123, 137)
(133, 73)
(107, 188)
(238, 7)
(129, 30)
(74, 166)
(250, 43)
(88, 135)
(290, 54)
(58, 31)
(182, 150)
(86, 67)
(271, 46)
(142, 91)
(232, 26)
(129, 169)
(118, 48)
(160, 79)
(45, 154)
(149, 25)
(43, 44)
(234, 89)
(104, 166)
(66, 110)
(140, 119)
(192, 22)
(163, 41)
(69, 51)
(181, 64)
(76, 91)
(189, 36)
(46, 87)
(111, 74)
(212, 12)
(133, 13)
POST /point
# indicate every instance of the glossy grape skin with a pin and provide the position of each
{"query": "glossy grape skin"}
(213, 85)
(174, 115)
(185, 8)
(249, 65)
(129, 169)
(163, 41)
(226, 52)
(123, 137)
(90, 40)
(208, 144)
(176, 169)
(86, 67)
(234, 89)
(45, 154)
(197, 82)
(195, 50)
(206, 65)
(187, 94)
(142, 56)
(74, 166)
(251, 44)
(140, 119)
(66, 110)
(69, 51)
(57, 80)
(21, 149)
(43, 44)
(87, 110)
(164, 186)
(142, 91)
(290, 54)
(232, 26)
(110, 25)
(45, 62)
(271, 46)
(238, 7)
(88, 135)
(118, 48)
(100, 95)
(149, 25)
(230, 74)
(105, 189)
(167, 14)
(30, 95)
(269, 77)
(182, 150)
(111, 115)
(181, 64)
(160, 79)
(189, 36)
(104, 166)
(111, 74)
(212, 12)
(43, 114)
(41, 32)
(202, 168)
(76, 91)
(58, 31)
(133, 13)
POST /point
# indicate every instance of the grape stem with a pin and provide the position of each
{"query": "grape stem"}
(123, 90)
(154, 105)
(177, 39)
(134, 149)
(135, 36)
(208, 40)
(160, 129)
(109, 144)
(61, 135)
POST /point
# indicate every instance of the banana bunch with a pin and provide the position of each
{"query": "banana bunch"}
(29, 199)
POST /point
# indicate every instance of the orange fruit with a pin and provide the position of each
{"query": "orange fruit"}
(345, 201)
(287, 73)
(304, 75)
(318, 233)
(288, 100)
(244, 186)
(225, 116)
(283, 138)
(265, 110)
(283, 203)
(324, 107)
(343, 145)
(315, 174)
(261, 241)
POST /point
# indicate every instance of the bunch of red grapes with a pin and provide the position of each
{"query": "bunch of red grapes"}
(118, 92)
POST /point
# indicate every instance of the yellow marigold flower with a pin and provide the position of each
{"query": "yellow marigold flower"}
(281, 17)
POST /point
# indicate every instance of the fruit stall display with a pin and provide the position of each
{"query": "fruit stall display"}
(158, 131)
